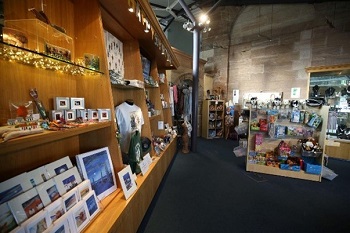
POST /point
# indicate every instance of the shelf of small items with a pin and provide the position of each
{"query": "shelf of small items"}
(287, 142)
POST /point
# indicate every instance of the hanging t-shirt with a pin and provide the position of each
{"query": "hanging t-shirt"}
(129, 119)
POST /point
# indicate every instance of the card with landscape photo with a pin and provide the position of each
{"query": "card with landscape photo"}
(96, 165)
(70, 199)
(80, 216)
(26, 205)
(38, 176)
(92, 204)
(60, 226)
(127, 181)
(13, 187)
(40, 222)
(7, 221)
(59, 166)
(84, 188)
(67, 180)
(48, 192)
(55, 210)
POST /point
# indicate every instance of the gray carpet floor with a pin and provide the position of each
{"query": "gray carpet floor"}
(210, 191)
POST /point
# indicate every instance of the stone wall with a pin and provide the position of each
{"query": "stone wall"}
(267, 48)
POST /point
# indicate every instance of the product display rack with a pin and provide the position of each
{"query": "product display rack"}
(213, 119)
(86, 26)
(270, 144)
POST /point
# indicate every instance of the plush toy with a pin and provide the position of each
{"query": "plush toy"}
(294, 104)
(253, 102)
(285, 104)
(276, 104)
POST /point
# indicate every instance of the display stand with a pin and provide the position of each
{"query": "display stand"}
(269, 144)
(213, 119)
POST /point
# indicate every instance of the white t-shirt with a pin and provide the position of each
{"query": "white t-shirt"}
(129, 118)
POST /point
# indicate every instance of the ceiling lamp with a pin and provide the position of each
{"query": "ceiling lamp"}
(188, 26)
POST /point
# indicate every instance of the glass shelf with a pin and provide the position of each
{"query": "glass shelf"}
(28, 57)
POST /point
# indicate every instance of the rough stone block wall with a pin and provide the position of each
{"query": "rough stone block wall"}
(267, 48)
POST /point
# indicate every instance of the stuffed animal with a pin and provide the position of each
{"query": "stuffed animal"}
(285, 104)
(253, 102)
(276, 104)
(294, 104)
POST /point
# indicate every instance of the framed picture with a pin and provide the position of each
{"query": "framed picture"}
(13, 187)
(92, 204)
(7, 221)
(67, 180)
(60, 226)
(38, 223)
(25, 205)
(97, 166)
(84, 188)
(57, 115)
(57, 52)
(80, 216)
(92, 114)
(61, 103)
(59, 166)
(127, 181)
(77, 103)
(55, 210)
(48, 192)
(104, 114)
(70, 115)
(83, 114)
(38, 176)
(70, 199)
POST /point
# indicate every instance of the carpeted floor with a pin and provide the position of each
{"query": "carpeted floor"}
(210, 191)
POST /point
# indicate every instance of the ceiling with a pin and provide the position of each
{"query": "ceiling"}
(168, 11)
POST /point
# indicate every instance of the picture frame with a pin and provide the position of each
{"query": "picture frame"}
(88, 164)
(70, 199)
(77, 103)
(84, 188)
(61, 103)
(59, 166)
(26, 205)
(83, 114)
(70, 115)
(6, 218)
(38, 176)
(48, 192)
(92, 204)
(38, 223)
(67, 180)
(57, 115)
(57, 52)
(60, 226)
(92, 114)
(55, 210)
(13, 187)
(80, 217)
(127, 181)
(104, 114)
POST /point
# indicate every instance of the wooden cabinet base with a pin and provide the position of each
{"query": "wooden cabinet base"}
(120, 215)
(338, 148)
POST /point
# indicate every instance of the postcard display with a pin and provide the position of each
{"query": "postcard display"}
(287, 142)
(51, 197)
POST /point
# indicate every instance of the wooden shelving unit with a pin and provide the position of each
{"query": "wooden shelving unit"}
(85, 22)
(269, 144)
(213, 119)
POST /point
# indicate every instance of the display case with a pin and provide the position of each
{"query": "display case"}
(213, 119)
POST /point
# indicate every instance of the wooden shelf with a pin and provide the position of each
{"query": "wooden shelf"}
(47, 136)
(280, 172)
(118, 210)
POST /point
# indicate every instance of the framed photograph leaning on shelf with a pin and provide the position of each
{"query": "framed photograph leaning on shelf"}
(96, 165)
(127, 181)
